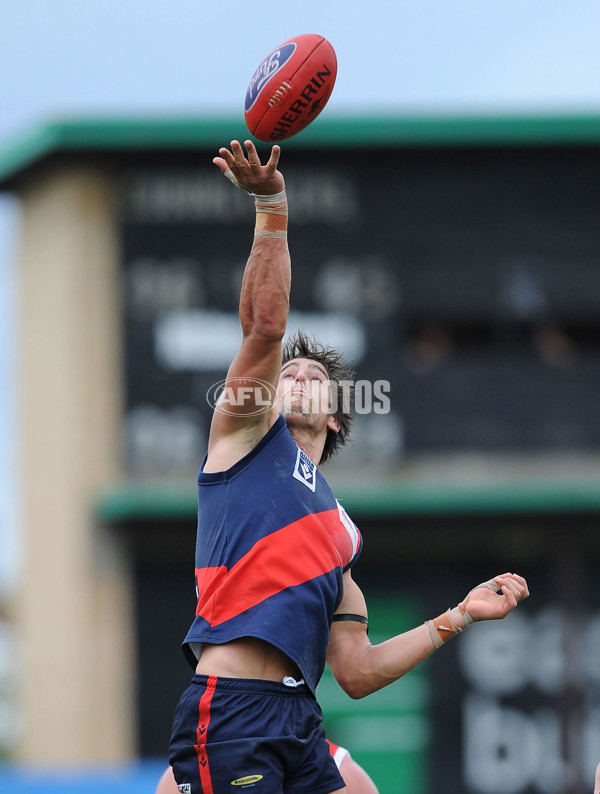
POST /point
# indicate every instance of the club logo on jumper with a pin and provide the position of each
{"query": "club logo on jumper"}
(185, 788)
(271, 65)
(249, 780)
(305, 471)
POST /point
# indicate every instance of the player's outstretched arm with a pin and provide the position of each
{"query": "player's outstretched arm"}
(361, 668)
(240, 421)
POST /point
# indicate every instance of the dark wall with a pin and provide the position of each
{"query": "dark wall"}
(466, 277)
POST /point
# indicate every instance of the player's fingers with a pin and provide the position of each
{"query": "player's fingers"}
(253, 157)
(226, 156)
(510, 588)
(238, 154)
(521, 588)
(274, 158)
(517, 583)
(513, 593)
(522, 581)
(221, 163)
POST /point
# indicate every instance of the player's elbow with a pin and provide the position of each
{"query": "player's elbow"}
(363, 676)
(358, 691)
(354, 684)
(263, 334)
(271, 326)
(265, 324)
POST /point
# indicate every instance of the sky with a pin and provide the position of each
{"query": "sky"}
(77, 58)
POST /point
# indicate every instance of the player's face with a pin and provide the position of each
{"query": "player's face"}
(304, 389)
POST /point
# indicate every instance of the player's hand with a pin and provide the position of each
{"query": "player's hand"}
(494, 600)
(248, 171)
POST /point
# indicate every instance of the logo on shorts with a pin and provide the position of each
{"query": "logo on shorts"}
(249, 780)
(185, 788)
(305, 470)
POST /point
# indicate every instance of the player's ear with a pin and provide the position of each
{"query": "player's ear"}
(333, 423)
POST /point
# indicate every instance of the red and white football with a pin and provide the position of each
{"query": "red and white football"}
(290, 87)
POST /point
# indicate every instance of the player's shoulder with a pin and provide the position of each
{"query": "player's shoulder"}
(231, 442)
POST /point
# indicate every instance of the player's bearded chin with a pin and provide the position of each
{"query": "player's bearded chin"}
(297, 403)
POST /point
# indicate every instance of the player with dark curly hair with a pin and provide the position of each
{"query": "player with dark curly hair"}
(341, 377)
(275, 549)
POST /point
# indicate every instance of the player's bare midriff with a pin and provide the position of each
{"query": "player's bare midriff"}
(246, 657)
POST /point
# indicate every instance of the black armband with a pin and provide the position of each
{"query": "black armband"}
(351, 616)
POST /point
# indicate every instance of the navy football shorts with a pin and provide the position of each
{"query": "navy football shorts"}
(250, 735)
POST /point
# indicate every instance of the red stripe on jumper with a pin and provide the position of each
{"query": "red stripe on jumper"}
(201, 733)
(295, 554)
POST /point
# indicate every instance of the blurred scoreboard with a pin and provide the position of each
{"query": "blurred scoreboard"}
(466, 278)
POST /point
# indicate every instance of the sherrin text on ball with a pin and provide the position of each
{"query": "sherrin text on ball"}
(290, 87)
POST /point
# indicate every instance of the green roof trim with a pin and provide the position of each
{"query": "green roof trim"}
(120, 135)
(108, 134)
(135, 502)
(386, 499)
(402, 498)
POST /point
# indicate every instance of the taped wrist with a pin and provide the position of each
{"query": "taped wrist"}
(270, 222)
(273, 198)
(442, 628)
(271, 217)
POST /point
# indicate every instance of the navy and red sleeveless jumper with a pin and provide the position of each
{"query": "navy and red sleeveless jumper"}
(272, 545)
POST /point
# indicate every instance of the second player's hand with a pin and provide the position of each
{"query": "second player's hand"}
(248, 170)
